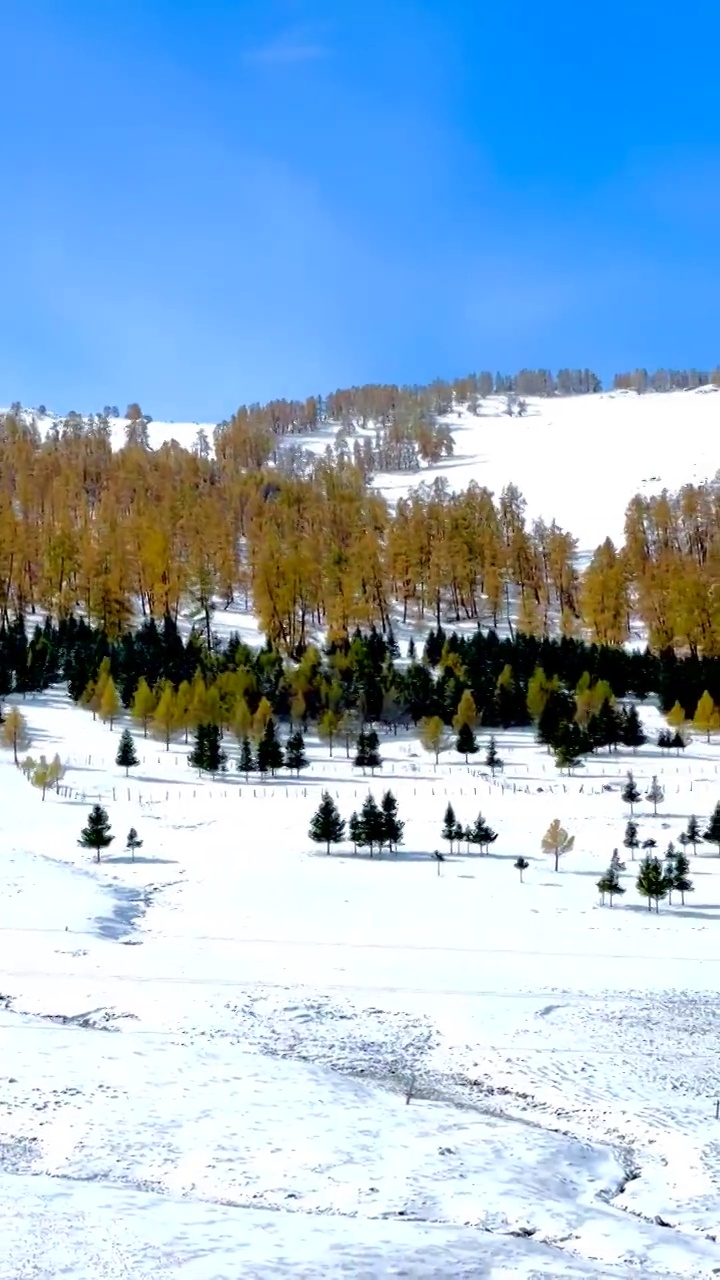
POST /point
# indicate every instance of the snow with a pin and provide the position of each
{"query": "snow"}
(207, 1054)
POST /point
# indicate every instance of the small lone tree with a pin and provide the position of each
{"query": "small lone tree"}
(556, 841)
(712, 835)
(466, 742)
(15, 732)
(631, 840)
(295, 757)
(246, 759)
(367, 753)
(692, 832)
(521, 864)
(651, 881)
(492, 759)
(449, 825)
(133, 843)
(41, 774)
(681, 878)
(326, 826)
(616, 862)
(393, 827)
(96, 835)
(127, 757)
(655, 794)
(650, 843)
(630, 792)
(432, 735)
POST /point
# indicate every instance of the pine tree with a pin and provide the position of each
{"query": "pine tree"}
(393, 828)
(216, 759)
(295, 757)
(712, 835)
(492, 759)
(361, 751)
(679, 742)
(631, 841)
(143, 704)
(655, 794)
(127, 757)
(630, 792)
(372, 823)
(246, 759)
(449, 825)
(482, 834)
(327, 827)
(197, 756)
(692, 833)
(556, 841)
(681, 879)
(269, 753)
(521, 864)
(669, 869)
(651, 881)
(133, 843)
(466, 742)
(109, 708)
(649, 844)
(665, 740)
(616, 863)
(356, 832)
(374, 759)
(96, 835)
(15, 732)
(633, 734)
(432, 733)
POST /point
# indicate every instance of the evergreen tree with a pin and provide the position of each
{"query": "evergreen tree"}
(616, 863)
(269, 753)
(372, 823)
(96, 835)
(606, 727)
(492, 759)
(651, 881)
(678, 742)
(712, 835)
(482, 834)
(630, 792)
(556, 841)
(127, 757)
(692, 832)
(393, 828)
(207, 755)
(356, 832)
(327, 827)
(649, 844)
(669, 869)
(655, 794)
(246, 759)
(374, 759)
(665, 739)
(466, 742)
(633, 734)
(631, 840)
(295, 757)
(521, 864)
(133, 843)
(681, 878)
(449, 825)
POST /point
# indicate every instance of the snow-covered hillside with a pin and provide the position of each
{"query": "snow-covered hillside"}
(576, 459)
(207, 1054)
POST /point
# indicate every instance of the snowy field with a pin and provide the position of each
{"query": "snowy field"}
(207, 1055)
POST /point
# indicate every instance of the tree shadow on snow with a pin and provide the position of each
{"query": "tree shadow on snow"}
(402, 855)
(121, 859)
(703, 910)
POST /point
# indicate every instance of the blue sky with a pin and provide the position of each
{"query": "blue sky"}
(208, 202)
